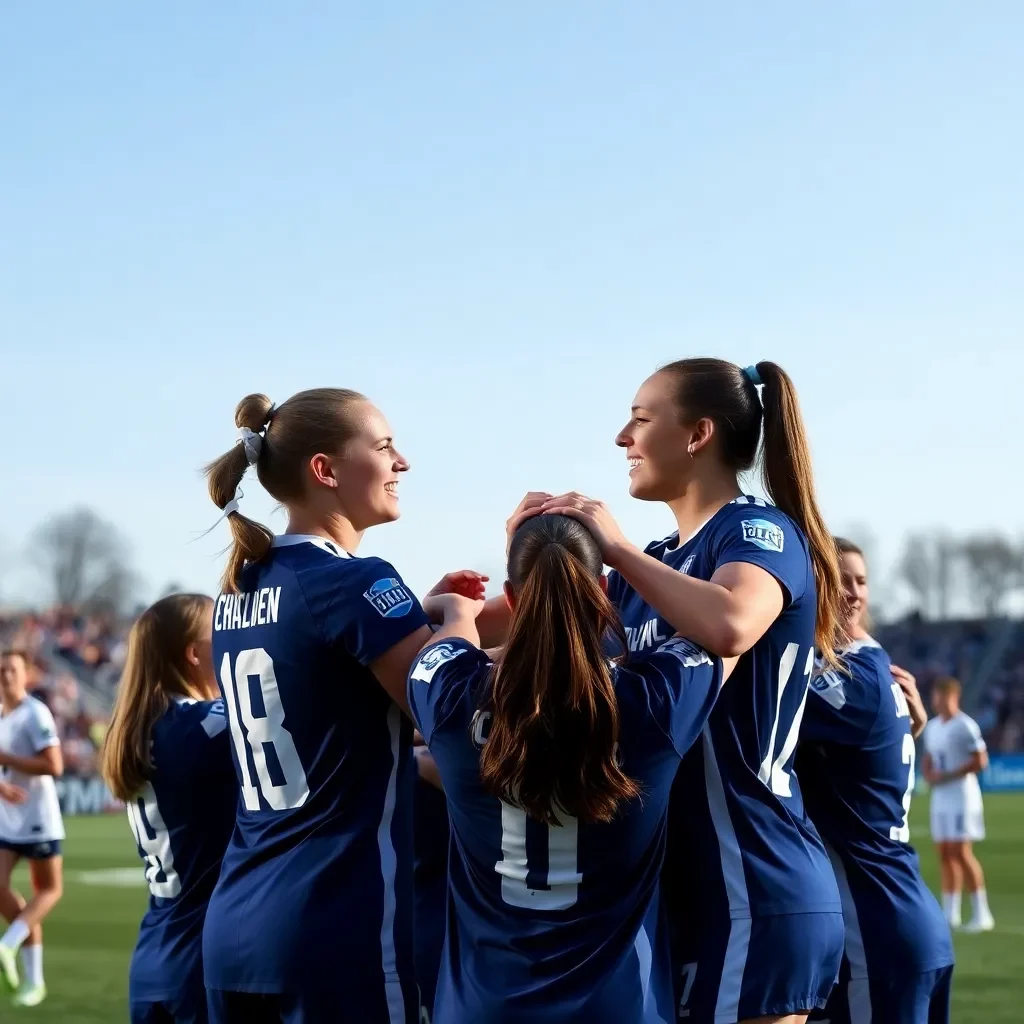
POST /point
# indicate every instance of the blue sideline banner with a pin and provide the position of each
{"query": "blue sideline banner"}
(1005, 773)
(85, 796)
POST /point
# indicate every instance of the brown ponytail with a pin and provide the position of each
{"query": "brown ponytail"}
(552, 745)
(725, 394)
(155, 670)
(789, 481)
(317, 421)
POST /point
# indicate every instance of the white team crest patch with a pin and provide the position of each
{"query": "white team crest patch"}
(430, 661)
(390, 598)
(687, 565)
(686, 651)
(766, 535)
(829, 686)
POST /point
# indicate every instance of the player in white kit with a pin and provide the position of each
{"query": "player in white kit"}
(954, 755)
(30, 826)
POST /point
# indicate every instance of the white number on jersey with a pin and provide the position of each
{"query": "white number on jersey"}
(151, 834)
(901, 833)
(562, 879)
(259, 732)
(772, 773)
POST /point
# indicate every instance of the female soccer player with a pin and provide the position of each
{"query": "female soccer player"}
(752, 897)
(558, 767)
(30, 826)
(167, 756)
(311, 920)
(955, 753)
(856, 762)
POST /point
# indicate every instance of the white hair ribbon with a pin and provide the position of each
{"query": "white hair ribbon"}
(231, 506)
(252, 443)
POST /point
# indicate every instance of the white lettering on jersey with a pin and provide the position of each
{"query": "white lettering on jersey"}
(902, 709)
(640, 638)
(239, 611)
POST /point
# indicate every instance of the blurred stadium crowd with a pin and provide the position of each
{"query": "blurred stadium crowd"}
(77, 660)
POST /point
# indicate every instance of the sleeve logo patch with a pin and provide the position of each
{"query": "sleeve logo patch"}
(764, 534)
(686, 651)
(390, 598)
(830, 688)
(430, 661)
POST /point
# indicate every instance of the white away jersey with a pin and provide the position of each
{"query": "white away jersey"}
(25, 732)
(951, 744)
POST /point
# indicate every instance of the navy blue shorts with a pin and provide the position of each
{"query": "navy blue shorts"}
(332, 1006)
(33, 851)
(168, 1011)
(915, 999)
(757, 967)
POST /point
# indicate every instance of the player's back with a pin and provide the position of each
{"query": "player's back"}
(181, 821)
(856, 762)
(315, 889)
(558, 923)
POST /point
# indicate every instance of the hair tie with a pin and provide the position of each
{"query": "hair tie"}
(252, 443)
(750, 372)
(228, 509)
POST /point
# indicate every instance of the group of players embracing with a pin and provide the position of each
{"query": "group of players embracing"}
(629, 841)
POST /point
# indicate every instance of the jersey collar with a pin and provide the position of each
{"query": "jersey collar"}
(286, 540)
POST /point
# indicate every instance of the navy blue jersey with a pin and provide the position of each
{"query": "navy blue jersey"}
(316, 888)
(431, 837)
(857, 762)
(740, 844)
(181, 821)
(558, 923)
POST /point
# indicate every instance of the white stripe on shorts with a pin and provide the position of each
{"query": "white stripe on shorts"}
(731, 984)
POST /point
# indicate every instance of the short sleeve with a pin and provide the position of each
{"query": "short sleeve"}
(680, 682)
(213, 740)
(973, 740)
(362, 604)
(841, 706)
(765, 537)
(42, 728)
(928, 737)
(439, 676)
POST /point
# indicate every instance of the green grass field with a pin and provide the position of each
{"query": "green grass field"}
(88, 939)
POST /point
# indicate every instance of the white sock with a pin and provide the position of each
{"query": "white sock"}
(951, 905)
(32, 963)
(15, 935)
(979, 901)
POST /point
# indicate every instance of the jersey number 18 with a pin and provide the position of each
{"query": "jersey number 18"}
(279, 775)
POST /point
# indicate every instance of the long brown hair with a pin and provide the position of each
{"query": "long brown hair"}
(554, 730)
(310, 423)
(155, 671)
(726, 395)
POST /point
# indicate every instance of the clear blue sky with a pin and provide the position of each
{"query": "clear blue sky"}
(496, 220)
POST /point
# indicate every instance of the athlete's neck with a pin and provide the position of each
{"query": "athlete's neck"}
(703, 497)
(334, 527)
(11, 703)
(857, 632)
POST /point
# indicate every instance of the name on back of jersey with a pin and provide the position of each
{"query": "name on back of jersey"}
(255, 608)
(390, 598)
(766, 535)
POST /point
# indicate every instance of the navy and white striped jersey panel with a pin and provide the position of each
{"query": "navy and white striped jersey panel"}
(559, 923)
(737, 821)
(857, 759)
(323, 759)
